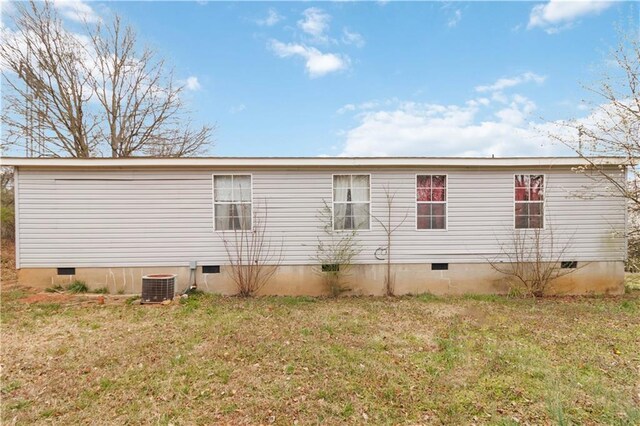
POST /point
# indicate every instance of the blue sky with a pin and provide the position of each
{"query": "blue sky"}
(373, 78)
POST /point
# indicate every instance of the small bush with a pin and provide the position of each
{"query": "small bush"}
(77, 287)
(101, 290)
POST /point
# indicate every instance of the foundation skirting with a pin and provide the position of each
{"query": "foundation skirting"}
(299, 280)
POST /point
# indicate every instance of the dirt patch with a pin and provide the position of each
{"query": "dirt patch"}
(47, 298)
(76, 299)
(7, 263)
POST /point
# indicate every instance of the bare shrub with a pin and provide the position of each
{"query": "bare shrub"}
(533, 260)
(253, 258)
(335, 252)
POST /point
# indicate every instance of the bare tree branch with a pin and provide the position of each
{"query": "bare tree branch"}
(613, 130)
(46, 77)
(90, 94)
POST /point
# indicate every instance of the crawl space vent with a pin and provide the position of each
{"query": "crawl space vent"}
(439, 266)
(211, 269)
(66, 271)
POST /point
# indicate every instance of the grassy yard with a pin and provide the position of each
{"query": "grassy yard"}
(420, 360)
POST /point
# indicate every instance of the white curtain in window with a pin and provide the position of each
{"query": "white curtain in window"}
(242, 188)
(351, 201)
(223, 188)
(232, 198)
(341, 188)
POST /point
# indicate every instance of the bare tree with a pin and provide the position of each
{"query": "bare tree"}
(44, 68)
(531, 259)
(390, 226)
(613, 128)
(142, 103)
(91, 94)
(335, 253)
(253, 258)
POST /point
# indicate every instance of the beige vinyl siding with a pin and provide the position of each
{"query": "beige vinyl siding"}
(153, 217)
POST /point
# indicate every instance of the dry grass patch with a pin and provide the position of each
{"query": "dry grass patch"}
(418, 360)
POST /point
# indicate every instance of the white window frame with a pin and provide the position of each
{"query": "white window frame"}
(446, 201)
(213, 200)
(545, 183)
(333, 202)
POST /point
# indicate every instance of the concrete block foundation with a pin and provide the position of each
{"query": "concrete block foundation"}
(299, 280)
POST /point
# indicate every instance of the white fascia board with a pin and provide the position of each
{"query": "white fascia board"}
(311, 162)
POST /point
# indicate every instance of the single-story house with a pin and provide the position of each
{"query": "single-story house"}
(108, 222)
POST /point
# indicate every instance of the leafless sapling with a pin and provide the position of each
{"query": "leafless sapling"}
(390, 225)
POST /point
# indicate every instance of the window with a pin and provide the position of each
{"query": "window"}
(431, 196)
(232, 202)
(570, 264)
(66, 271)
(529, 201)
(351, 202)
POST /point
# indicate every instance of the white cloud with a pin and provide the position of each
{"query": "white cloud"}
(314, 28)
(455, 18)
(557, 15)
(315, 23)
(271, 19)
(364, 106)
(316, 62)
(76, 10)
(346, 108)
(354, 38)
(237, 108)
(454, 14)
(505, 83)
(192, 83)
(479, 127)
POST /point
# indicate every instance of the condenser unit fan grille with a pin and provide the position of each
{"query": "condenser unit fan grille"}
(157, 288)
